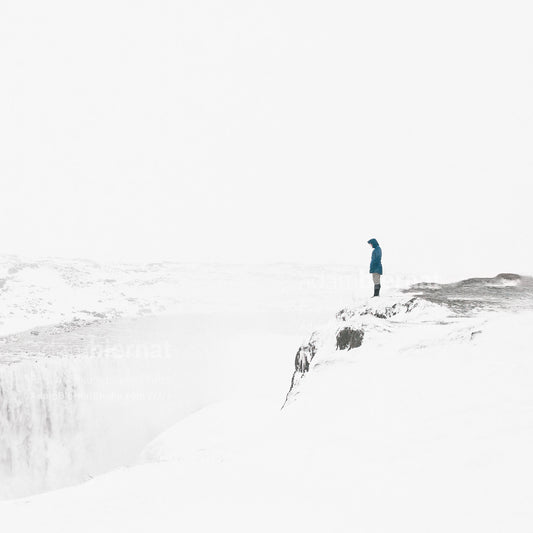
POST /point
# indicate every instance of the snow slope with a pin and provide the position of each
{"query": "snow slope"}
(424, 426)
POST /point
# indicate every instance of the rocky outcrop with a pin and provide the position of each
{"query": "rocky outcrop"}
(509, 276)
(346, 334)
(304, 356)
(386, 311)
(349, 338)
(433, 303)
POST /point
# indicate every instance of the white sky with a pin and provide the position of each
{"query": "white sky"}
(269, 131)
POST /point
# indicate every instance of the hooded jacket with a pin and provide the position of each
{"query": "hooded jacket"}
(375, 262)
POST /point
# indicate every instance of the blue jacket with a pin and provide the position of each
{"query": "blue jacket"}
(375, 262)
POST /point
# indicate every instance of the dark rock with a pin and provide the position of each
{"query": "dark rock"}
(302, 361)
(397, 308)
(304, 356)
(345, 314)
(423, 286)
(348, 338)
(509, 276)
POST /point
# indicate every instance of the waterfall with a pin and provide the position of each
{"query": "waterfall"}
(41, 426)
(89, 400)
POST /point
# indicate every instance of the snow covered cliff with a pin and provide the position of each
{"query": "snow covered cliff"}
(411, 413)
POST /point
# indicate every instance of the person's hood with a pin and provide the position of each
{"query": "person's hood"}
(373, 242)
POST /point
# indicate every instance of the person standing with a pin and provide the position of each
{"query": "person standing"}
(376, 269)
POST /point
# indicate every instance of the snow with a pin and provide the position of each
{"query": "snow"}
(424, 427)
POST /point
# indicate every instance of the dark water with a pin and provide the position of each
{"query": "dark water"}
(502, 292)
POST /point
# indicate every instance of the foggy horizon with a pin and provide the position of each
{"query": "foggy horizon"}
(267, 133)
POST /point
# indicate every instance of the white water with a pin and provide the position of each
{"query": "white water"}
(40, 426)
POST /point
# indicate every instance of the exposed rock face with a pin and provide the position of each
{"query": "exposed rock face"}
(346, 338)
(383, 312)
(345, 314)
(349, 338)
(396, 309)
(305, 354)
(508, 275)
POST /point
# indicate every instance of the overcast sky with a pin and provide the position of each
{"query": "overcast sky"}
(269, 131)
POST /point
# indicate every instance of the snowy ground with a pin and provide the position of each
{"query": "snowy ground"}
(426, 426)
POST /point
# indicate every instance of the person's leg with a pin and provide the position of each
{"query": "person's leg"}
(377, 283)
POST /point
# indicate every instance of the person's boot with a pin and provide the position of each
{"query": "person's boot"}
(376, 290)
(379, 288)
